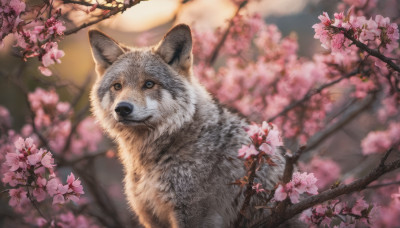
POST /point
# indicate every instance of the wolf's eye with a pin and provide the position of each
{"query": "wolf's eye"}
(148, 84)
(117, 86)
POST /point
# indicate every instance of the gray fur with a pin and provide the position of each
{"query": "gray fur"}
(180, 163)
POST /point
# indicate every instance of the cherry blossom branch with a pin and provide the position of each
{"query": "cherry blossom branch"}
(214, 53)
(311, 93)
(384, 185)
(106, 16)
(370, 51)
(276, 219)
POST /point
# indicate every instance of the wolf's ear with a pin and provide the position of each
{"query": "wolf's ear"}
(176, 49)
(105, 50)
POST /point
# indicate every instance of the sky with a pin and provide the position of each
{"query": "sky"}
(201, 13)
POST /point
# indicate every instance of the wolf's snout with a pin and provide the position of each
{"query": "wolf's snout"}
(123, 109)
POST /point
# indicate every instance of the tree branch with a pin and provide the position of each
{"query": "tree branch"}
(360, 184)
(112, 12)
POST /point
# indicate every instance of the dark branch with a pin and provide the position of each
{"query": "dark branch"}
(112, 12)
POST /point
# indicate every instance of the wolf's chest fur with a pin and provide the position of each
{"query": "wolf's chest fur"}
(178, 146)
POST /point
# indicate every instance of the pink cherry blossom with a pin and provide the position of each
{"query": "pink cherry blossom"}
(12, 160)
(280, 193)
(247, 151)
(47, 161)
(325, 170)
(17, 196)
(33, 169)
(58, 199)
(376, 142)
(359, 206)
(258, 187)
(74, 184)
(52, 54)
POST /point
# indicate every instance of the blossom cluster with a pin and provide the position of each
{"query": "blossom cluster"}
(378, 32)
(30, 168)
(36, 38)
(265, 140)
(300, 183)
(243, 29)
(10, 13)
(381, 141)
(52, 119)
(360, 213)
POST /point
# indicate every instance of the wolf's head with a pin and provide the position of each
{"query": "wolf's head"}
(147, 89)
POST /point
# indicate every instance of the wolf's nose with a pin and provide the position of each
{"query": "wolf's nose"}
(123, 109)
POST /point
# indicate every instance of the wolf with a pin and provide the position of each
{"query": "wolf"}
(178, 146)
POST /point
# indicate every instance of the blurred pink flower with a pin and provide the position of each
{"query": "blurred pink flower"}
(247, 151)
(359, 206)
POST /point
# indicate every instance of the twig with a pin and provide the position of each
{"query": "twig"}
(360, 184)
(221, 42)
(311, 93)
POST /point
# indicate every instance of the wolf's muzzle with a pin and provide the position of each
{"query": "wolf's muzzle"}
(123, 109)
